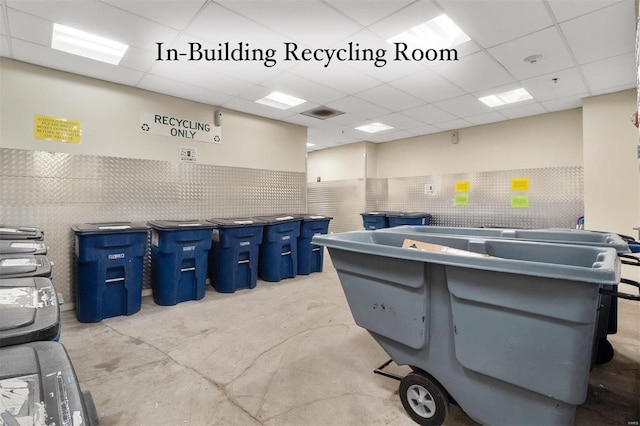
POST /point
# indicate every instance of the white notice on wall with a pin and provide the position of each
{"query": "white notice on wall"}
(182, 128)
(188, 154)
(429, 188)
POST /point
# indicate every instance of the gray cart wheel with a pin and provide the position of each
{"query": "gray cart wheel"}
(424, 400)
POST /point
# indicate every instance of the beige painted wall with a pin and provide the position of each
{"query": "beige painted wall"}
(611, 168)
(109, 114)
(339, 163)
(547, 140)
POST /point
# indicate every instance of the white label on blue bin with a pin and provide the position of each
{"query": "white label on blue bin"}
(215, 235)
(245, 243)
(189, 248)
(286, 237)
(116, 256)
(155, 238)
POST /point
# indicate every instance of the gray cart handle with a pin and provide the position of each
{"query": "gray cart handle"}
(623, 295)
(628, 259)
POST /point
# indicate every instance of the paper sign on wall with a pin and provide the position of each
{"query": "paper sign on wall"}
(520, 184)
(520, 201)
(461, 200)
(463, 186)
(57, 129)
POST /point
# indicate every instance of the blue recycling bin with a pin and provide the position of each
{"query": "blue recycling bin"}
(375, 220)
(108, 269)
(408, 218)
(311, 256)
(179, 259)
(279, 250)
(233, 258)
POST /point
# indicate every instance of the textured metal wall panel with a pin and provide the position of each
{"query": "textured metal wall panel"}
(56, 190)
(344, 200)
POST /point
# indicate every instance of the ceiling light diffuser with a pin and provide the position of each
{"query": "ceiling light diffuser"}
(85, 44)
(504, 98)
(374, 127)
(439, 32)
(280, 100)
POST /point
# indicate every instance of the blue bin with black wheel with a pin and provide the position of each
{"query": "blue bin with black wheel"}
(179, 259)
(408, 218)
(279, 250)
(108, 269)
(233, 258)
(311, 256)
(375, 220)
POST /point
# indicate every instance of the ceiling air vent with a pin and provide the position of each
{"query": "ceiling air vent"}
(322, 113)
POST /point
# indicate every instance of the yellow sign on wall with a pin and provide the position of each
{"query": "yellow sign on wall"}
(56, 129)
(463, 186)
(520, 184)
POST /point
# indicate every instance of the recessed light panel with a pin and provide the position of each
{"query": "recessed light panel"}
(280, 100)
(440, 32)
(374, 128)
(504, 98)
(76, 42)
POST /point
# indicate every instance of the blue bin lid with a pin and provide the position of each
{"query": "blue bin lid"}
(180, 224)
(279, 218)
(314, 217)
(408, 214)
(10, 232)
(108, 227)
(237, 222)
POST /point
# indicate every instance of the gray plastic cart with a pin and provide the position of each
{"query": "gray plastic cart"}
(608, 313)
(476, 329)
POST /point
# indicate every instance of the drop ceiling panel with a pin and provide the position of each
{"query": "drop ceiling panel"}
(486, 118)
(358, 107)
(454, 124)
(294, 85)
(251, 107)
(292, 19)
(602, 41)
(159, 84)
(187, 73)
(493, 22)
(389, 97)
(368, 12)
(477, 72)
(598, 75)
(424, 130)
(428, 86)
(338, 76)
(173, 13)
(429, 114)
(389, 135)
(523, 110)
(463, 106)
(30, 28)
(560, 104)
(543, 88)
(564, 10)
(404, 19)
(400, 121)
(40, 55)
(548, 43)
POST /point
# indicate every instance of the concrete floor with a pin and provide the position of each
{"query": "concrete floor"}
(283, 353)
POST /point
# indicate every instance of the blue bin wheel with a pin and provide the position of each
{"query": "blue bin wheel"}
(424, 400)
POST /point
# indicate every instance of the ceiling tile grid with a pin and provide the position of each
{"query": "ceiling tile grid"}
(585, 48)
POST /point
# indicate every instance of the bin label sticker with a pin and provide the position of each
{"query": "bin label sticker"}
(116, 256)
(520, 184)
(463, 186)
(19, 262)
(189, 248)
(286, 237)
(245, 243)
(47, 128)
(215, 235)
(520, 201)
(461, 200)
(155, 238)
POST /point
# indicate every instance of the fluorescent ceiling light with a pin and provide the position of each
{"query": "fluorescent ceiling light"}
(439, 32)
(280, 100)
(374, 127)
(89, 45)
(510, 97)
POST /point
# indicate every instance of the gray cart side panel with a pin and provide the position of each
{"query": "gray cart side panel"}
(384, 304)
(485, 399)
(504, 337)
